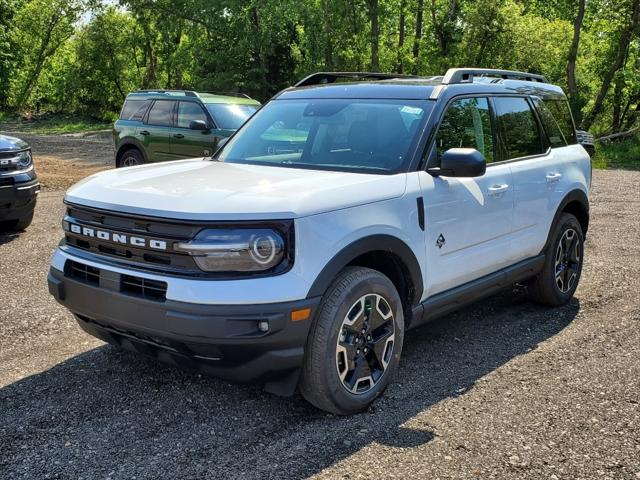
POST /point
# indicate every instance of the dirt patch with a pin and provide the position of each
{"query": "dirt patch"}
(62, 160)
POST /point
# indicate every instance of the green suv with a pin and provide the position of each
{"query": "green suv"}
(159, 125)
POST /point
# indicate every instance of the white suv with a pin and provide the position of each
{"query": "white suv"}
(339, 216)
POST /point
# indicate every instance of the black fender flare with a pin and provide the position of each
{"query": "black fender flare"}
(133, 142)
(372, 243)
(573, 196)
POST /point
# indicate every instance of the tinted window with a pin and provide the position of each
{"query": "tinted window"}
(519, 128)
(134, 109)
(188, 112)
(230, 116)
(467, 124)
(562, 113)
(331, 134)
(550, 124)
(161, 113)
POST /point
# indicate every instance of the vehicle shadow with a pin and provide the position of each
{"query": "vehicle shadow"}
(7, 235)
(109, 412)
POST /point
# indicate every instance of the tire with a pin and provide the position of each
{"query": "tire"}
(130, 158)
(19, 224)
(334, 375)
(557, 282)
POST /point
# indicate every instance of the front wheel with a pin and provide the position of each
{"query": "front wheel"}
(355, 342)
(558, 280)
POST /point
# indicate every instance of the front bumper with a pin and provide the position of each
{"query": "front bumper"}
(219, 340)
(18, 193)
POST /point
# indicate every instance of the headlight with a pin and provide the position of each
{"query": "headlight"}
(237, 249)
(24, 159)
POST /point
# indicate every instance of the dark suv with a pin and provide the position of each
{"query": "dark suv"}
(158, 125)
(19, 186)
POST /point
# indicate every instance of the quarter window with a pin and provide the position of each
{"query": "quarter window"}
(134, 109)
(467, 124)
(551, 125)
(188, 112)
(161, 113)
(518, 127)
(562, 113)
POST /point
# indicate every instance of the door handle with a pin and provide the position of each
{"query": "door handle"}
(144, 132)
(553, 177)
(178, 135)
(498, 189)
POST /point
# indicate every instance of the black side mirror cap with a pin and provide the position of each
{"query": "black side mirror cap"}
(460, 162)
(199, 125)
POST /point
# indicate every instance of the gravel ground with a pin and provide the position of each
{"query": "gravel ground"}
(62, 160)
(502, 389)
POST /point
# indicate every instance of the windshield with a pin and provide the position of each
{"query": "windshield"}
(341, 134)
(230, 116)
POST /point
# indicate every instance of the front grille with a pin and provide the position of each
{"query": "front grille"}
(126, 284)
(168, 261)
(143, 287)
(82, 272)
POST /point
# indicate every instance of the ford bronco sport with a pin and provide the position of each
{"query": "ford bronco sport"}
(341, 215)
(19, 185)
(158, 125)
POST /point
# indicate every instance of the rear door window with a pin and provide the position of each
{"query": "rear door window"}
(519, 131)
(466, 124)
(161, 113)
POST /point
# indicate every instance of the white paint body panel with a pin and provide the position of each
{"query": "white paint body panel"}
(200, 189)
(483, 232)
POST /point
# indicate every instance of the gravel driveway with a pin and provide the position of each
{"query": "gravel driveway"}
(502, 389)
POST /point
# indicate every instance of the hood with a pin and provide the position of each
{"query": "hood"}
(12, 143)
(200, 189)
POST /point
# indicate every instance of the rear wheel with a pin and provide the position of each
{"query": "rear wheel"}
(355, 343)
(131, 158)
(558, 280)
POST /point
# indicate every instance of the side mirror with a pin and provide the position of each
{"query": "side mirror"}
(198, 125)
(460, 162)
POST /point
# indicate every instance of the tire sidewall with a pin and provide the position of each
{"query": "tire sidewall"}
(566, 221)
(131, 153)
(382, 286)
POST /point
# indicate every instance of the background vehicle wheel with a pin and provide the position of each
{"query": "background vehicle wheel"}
(558, 280)
(20, 224)
(355, 342)
(131, 158)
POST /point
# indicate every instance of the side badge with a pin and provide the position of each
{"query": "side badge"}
(206, 153)
(440, 241)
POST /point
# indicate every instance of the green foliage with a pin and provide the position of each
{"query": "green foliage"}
(621, 154)
(84, 56)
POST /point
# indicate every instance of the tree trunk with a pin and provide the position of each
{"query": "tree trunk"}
(328, 44)
(42, 56)
(375, 34)
(418, 37)
(616, 120)
(401, 34)
(621, 55)
(573, 55)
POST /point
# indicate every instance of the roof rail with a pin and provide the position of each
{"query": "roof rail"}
(187, 93)
(465, 75)
(330, 77)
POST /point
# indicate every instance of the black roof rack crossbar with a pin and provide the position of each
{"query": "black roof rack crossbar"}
(330, 77)
(187, 93)
(465, 75)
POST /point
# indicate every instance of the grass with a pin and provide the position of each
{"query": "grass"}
(623, 154)
(51, 124)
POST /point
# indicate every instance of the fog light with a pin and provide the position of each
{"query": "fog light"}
(263, 326)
